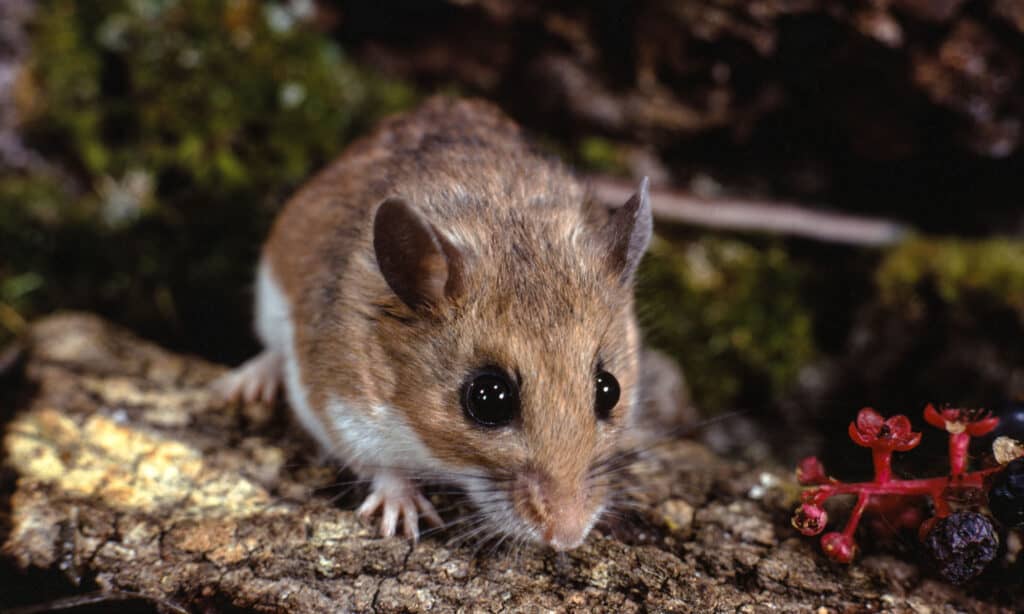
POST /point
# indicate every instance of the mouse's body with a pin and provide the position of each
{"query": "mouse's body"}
(442, 302)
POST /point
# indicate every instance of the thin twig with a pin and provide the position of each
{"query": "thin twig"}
(77, 601)
(758, 216)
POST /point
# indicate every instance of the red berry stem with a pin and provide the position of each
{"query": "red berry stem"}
(858, 511)
(958, 446)
(933, 487)
(882, 458)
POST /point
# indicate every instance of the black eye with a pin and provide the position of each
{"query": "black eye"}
(607, 394)
(490, 399)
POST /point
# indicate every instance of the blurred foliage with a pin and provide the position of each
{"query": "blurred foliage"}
(732, 313)
(183, 123)
(179, 126)
(602, 155)
(956, 272)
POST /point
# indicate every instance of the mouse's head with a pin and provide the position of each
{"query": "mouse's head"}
(514, 348)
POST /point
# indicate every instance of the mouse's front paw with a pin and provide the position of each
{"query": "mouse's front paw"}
(256, 380)
(397, 497)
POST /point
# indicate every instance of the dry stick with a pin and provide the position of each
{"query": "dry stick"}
(758, 216)
(78, 601)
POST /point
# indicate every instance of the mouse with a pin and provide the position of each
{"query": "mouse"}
(445, 302)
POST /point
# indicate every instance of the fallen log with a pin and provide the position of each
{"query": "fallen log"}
(126, 479)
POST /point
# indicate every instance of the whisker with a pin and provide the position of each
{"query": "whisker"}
(471, 533)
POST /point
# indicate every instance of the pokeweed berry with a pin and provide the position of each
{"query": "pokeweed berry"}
(962, 545)
(810, 472)
(810, 519)
(871, 430)
(1006, 496)
(839, 547)
(974, 422)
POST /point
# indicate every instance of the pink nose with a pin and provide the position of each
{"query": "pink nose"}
(562, 535)
(566, 525)
(559, 512)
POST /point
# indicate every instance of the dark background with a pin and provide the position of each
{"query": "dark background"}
(145, 146)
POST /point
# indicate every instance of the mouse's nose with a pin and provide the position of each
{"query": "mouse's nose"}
(560, 513)
(565, 531)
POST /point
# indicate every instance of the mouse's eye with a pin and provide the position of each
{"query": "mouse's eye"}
(607, 394)
(490, 398)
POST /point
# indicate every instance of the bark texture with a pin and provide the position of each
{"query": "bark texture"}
(125, 477)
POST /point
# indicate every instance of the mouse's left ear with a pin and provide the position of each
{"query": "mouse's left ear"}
(629, 232)
(420, 265)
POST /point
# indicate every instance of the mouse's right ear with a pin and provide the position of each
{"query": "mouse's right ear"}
(420, 265)
(629, 230)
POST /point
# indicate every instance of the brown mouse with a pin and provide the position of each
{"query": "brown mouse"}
(443, 302)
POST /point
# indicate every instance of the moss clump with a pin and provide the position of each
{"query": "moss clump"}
(600, 154)
(183, 124)
(954, 271)
(237, 95)
(733, 315)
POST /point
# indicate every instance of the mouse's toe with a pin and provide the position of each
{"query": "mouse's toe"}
(397, 499)
(259, 379)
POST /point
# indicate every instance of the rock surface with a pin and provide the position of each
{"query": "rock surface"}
(125, 478)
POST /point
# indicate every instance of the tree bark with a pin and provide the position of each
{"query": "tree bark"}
(127, 480)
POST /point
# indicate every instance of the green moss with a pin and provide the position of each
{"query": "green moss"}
(957, 272)
(185, 124)
(227, 95)
(731, 313)
(600, 154)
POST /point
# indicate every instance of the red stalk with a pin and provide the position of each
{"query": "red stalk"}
(958, 444)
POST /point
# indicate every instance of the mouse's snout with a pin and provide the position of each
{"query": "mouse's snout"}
(559, 510)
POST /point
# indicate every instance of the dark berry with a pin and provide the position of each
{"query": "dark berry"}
(962, 545)
(1006, 497)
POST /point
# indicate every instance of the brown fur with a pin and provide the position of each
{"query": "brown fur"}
(532, 299)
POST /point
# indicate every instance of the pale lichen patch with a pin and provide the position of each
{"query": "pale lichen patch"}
(84, 479)
(326, 532)
(117, 444)
(33, 458)
(128, 468)
(121, 390)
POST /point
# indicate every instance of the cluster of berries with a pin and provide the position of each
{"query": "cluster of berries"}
(961, 541)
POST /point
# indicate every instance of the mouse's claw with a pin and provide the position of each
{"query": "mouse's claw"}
(397, 498)
(257, 380)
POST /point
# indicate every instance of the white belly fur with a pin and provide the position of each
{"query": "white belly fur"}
(366, 441)
(275, 330)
